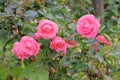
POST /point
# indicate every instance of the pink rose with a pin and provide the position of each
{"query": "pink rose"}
(47, 29)
(37, 36)
(102, 39)
(88, 26)
(18, 51)
(25, 48)
(29, 45)
(58, 44)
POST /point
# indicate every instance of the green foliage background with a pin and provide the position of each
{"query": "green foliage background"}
(20, 17)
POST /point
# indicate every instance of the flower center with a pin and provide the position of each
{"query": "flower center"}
(60, 44)
(28, 45)
(87, 27)
(86, 24)
(47, 28)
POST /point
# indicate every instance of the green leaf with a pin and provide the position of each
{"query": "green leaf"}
(99, 57)
(92, 67)
(116, 75)
(19, 10)
(3, 72)
(50, 16)
(12, 4)
(42, 75)
(106, 49)
(48, 1)
(0, 18)
(59, 16)
(8, 10)
(16, 71)
(20, 22)
(43, 12)
(102, 28)
(5, 14)
(30, 14)
(3, 36)
(115, 29)
(2, 1)
(72, 26)
(107, 77)
(31, 72)
(116, 54)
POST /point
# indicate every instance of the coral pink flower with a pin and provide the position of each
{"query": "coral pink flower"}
(25, 48)
(58, 44)
(102, 39)
(37, 36)
(29, 45)
(88, 26)
(19, 52)
(47, 29)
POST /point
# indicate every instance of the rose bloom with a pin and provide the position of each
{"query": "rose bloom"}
(25, 48)
(102, 39)
(19, 52)
(37, 36)
(58, 44)
(88, 26)
(47, 29)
